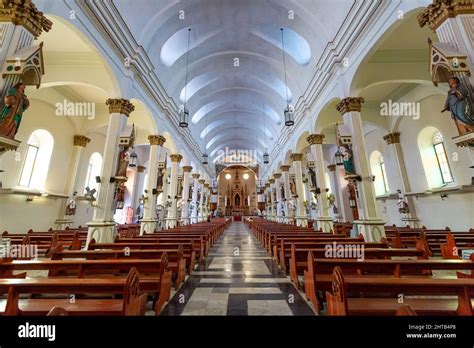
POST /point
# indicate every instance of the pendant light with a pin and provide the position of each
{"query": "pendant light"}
(265, 154)
(338, 156)
(133, 157)
(184, 112)
(288, 112)
(205, 157)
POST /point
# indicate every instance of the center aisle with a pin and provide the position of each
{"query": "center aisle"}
(237, 278)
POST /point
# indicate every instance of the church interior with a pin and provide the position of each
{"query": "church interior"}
(237, 158)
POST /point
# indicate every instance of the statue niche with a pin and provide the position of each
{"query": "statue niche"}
(237, 200)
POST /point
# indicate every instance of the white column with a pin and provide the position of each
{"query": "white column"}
(201, 201)
(323, 219)
(272, 199)
(102, 227)
(165, 200)
(194, 215)
(301, 218)
(171, 220)
(63, 221)
(335, 181)
(279, 200)
(285, 169)
(185, 206)
(148, 223)
(369, 224)
(137, 190)
(394, 139)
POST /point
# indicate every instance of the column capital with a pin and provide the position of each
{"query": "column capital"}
(196, 175)
(202, 181)
(277, 175)
(156, 140)
(315, 139)
(176, 157)
(392, 138)
(285, 167)
(271, 181)
(296, 157)
(439, 11)
(187, 169)
(350, 104)
(24, 13)
(206, 185)
(267, 185)
(141, 169)
(81, 140)
(120, 106)
(332, 167)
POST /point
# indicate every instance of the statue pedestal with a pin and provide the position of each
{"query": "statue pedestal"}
(147, 226)
(171, 222)
(324, 223)
(185, 221)
(101, 231)
(464, 140)
(372, 230)
(301, 221)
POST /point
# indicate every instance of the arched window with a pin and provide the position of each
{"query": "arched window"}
(377, 165)
(443, 163)
(93, 170)
(36, 164)
(435, 160)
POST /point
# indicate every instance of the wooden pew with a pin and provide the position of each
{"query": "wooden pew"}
(133, 302)
(340, 303)
(319, 267)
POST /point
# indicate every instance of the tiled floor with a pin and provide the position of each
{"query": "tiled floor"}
(237, 278)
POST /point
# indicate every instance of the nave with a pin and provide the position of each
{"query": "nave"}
(237, 278)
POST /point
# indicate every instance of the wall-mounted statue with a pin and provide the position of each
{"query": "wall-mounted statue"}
(16, 102)
(293, 187)
(348, 160)
(312, 178)
(331, 201)
(120, 196)
(71, 205)
(460, 102)
(123, 163)
(402, 204)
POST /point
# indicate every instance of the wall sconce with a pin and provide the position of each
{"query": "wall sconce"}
(97, 179)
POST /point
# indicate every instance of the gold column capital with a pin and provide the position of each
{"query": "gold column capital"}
(285, 167)
(296, 157)
(277, 175)
(120, 106)
(315, 139)
(196, 175)
(202, 181)
(24, 13)
(332, 167)
(439, 11)
(187, 169)
(392, 138)
(156, 140)
(176, 157)
(267, 185)
(81, 140)
(271, 181)
(141, 169)
(350, 104)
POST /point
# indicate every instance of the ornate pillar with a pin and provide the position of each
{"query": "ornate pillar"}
(323, 220)
(279, 200)
(301, 217)
(195, 203)
(165, 202)
(267, 201)
(285, 169)
(148, 223)
(138, 190)
(410, 217)
(102, 226)
(369, 224)
(65, 220)
(272, 199)
(337, 191)
(171, 220)
(201, 200)
(207, 199)
(185, 206)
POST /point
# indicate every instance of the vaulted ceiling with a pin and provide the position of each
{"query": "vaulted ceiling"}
(236, 74)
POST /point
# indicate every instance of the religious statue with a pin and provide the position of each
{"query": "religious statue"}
(348, 161)
(312, 178)
(293, 187)
(402, 204)
(71, 205)
(16, 103)
(332, 201)
(120, 196)
(123, 163)
(459, 102)
(159, 181)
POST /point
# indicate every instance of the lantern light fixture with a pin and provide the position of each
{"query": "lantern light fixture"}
(288, 112)
(184, 112)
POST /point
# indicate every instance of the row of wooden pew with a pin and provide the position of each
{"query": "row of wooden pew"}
(367, 278)
(119, 278)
